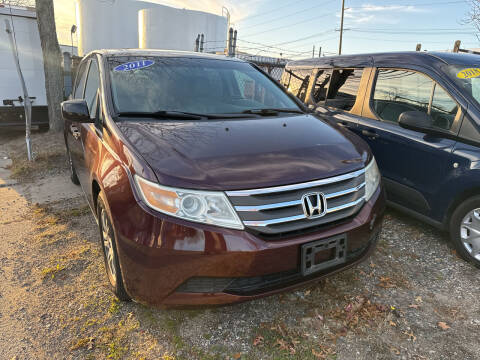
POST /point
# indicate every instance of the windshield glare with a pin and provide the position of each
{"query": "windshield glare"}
(206, 86)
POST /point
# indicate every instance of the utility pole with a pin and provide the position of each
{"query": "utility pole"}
(313, 51)
(341, 29)
(320, 52)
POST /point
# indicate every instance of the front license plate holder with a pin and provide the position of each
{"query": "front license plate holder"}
(323, 254)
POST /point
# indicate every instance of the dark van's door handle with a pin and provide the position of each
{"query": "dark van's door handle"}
(344, 124)
(370, 134)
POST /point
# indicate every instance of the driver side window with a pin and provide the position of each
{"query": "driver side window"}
(397, 91)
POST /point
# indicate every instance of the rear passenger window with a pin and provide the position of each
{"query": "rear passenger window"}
(298, 84)
(319, 92)
(343, 88)
(397, 91)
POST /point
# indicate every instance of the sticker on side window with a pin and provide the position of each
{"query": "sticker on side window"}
(134, 65)
(469, 73)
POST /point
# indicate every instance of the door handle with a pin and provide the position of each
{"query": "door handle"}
(370, 134)
(75, 132)
(344, 124)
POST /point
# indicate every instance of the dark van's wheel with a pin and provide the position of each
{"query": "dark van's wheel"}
(465, 230)
(109, 248)
(73, 173)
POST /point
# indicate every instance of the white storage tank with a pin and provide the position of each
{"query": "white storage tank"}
(108, 24)
(120, 24)
(164, 27)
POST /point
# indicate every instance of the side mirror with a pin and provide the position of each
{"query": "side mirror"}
(416, 120)
(76, 111)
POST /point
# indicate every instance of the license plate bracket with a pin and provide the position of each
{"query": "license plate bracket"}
(323, 254)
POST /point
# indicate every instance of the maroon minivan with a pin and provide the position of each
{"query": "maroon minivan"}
(210, 183)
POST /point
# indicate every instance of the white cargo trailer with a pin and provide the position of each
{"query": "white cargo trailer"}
(24, 23)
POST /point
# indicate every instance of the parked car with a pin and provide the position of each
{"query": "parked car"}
(420, 114)
(210, 183)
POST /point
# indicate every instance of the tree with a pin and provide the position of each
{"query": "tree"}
(52, 61)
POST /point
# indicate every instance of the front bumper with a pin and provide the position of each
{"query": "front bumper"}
(160, 257)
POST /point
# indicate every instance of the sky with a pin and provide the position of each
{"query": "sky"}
(292, 27)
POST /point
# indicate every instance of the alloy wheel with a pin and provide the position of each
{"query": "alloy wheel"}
(107, 241)
(470, 233)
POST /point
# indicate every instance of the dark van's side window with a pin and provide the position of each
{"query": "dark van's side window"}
(443, 109)
(397, 91)
(319, 92)
(285, 80)
(298, 85)
(343, 88)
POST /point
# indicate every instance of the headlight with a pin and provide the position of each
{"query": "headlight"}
(372, 179)
(207, 207)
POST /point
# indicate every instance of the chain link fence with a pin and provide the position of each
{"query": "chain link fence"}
(271, 65)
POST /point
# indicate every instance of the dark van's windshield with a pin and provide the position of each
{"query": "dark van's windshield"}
(206, 86)
(467, 78)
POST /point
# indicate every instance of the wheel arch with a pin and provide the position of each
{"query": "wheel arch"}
(457, 201)
(95, 192)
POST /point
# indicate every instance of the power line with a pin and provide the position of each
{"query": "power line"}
(266, 46)
(288, 16)
(306, 37)
(267, 13)
(290, 25)
(397, 40)
(430, 33)
(407, 5)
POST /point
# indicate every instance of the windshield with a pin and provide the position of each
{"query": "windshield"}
(467, 78)
(201, 86)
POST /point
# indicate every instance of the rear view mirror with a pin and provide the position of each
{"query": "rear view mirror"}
(416, 120)
(76, 111)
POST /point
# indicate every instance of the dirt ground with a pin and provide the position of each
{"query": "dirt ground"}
(413, 299)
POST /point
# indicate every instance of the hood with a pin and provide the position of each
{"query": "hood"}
(239, 154)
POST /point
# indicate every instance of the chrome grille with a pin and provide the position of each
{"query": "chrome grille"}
(279, 209)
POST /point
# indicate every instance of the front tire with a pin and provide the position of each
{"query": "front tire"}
(73, 173)
(465, 230)
(109, 247)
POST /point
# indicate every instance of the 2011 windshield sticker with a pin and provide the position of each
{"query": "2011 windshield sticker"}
(469, 73)
(134, 65)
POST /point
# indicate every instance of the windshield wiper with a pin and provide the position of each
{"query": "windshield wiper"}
(163, 115)
(179, 115)
(271, 112)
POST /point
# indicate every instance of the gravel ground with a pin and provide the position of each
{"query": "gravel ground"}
(413, 299)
